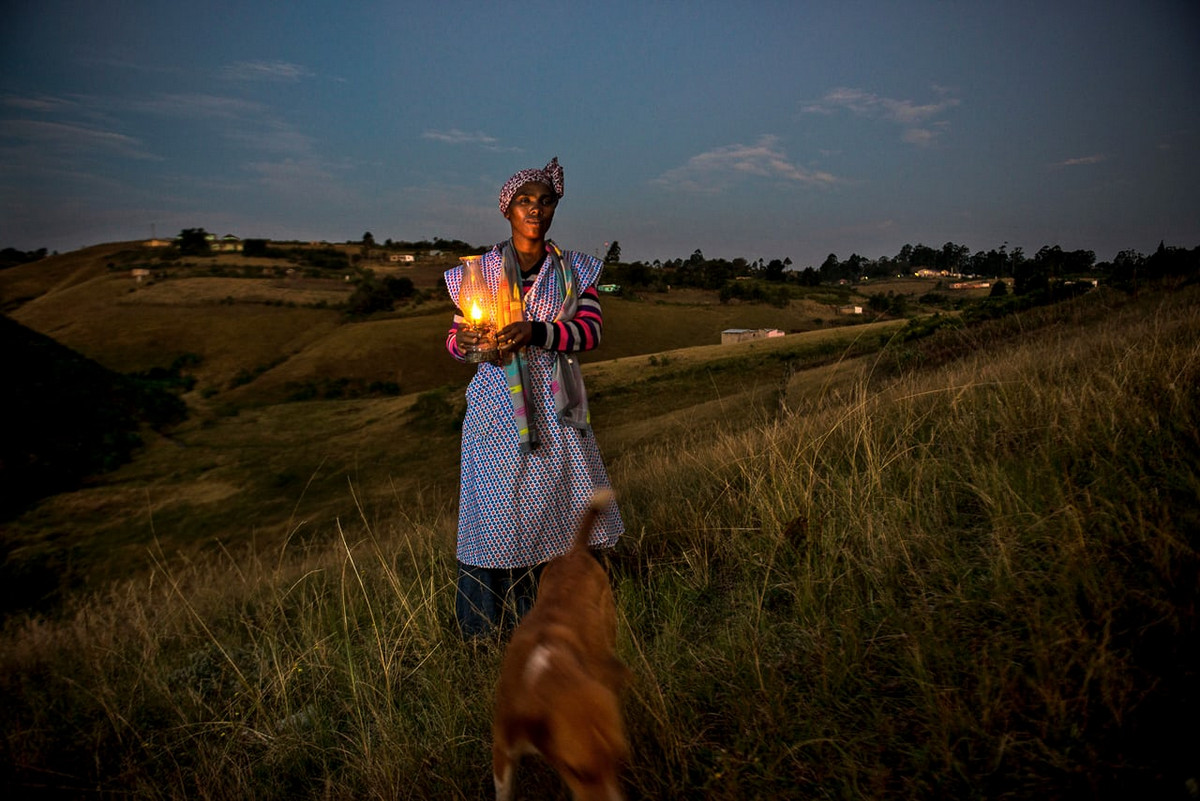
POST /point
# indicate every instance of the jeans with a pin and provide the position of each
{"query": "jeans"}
(491, 601)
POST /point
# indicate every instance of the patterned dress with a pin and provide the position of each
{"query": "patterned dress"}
(520, 509)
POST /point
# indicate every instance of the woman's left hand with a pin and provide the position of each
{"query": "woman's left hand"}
(515, 336)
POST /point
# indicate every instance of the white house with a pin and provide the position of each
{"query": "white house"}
(731, 335)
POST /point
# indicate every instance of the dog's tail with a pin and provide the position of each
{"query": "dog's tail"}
(601, 498)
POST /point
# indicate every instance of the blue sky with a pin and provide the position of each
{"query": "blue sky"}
(753, 129)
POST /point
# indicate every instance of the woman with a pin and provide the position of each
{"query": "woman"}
(529, 460)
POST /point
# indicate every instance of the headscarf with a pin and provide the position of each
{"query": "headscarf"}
(551, 175)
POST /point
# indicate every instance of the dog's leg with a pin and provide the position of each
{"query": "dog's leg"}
(502, 773)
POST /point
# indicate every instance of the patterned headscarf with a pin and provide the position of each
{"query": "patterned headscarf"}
(551, 175)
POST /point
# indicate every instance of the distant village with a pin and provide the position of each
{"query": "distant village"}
(1050, 270)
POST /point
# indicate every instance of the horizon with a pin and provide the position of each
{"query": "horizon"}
(769, 130)
(793, 267)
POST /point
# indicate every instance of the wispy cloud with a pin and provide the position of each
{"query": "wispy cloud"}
(196, 106)
(1080, 161)
(297, 178)
(454, 136)
(918, 121)
(64, 138)
(265, 71)
(43, 104)
(246, 123)
(714, 170)
(282, 159)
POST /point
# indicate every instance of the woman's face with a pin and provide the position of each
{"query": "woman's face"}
(532, 210)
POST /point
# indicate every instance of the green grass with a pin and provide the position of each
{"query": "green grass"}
(259, 341)
(247, 464)
(976, 579)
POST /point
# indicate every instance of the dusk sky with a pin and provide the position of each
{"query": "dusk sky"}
(752, 129)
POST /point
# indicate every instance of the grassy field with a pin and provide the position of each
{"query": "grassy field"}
(845, 575)
(259, 340)
(252, 463)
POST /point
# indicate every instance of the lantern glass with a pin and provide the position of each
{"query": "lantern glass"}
(478, 308)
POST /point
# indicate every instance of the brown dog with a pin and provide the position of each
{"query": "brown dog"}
(559, 687)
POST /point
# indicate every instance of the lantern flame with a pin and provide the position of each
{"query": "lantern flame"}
(473, 291)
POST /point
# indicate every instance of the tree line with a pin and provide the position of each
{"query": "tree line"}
(1050, 265)
(11, 257)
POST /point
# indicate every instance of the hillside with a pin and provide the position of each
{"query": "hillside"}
(857, 564)
(300, 416)
(252, 338)
(66, 417)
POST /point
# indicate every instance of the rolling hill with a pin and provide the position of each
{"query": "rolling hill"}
(299, 415)
(900, 559)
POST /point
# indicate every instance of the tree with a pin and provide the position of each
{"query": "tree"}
(254, 247)
(882, 267)
(637, 274)
(614, 253)
(809, 277)
(1039, 273)
(853, 268)
(923, 256)
(193, 242)
(1078, 262)
(830, 268)
(1015, 261)
(953, 257)
(11, 257)
(1126, 268)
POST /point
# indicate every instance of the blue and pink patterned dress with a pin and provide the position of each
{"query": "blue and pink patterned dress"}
(520, 509)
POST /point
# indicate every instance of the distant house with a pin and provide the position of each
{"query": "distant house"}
(851, 309)
(139, 273)
(226, 244)
(732, 335)
(158, 243)
(971, 285)
(398, 258)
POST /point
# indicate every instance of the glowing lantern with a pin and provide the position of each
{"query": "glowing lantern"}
(475, 299)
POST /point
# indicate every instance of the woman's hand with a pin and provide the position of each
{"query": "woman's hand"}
(515, 336)
(466, 337)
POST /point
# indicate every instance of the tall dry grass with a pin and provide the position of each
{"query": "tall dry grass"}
(976, 582)
(973, 581)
